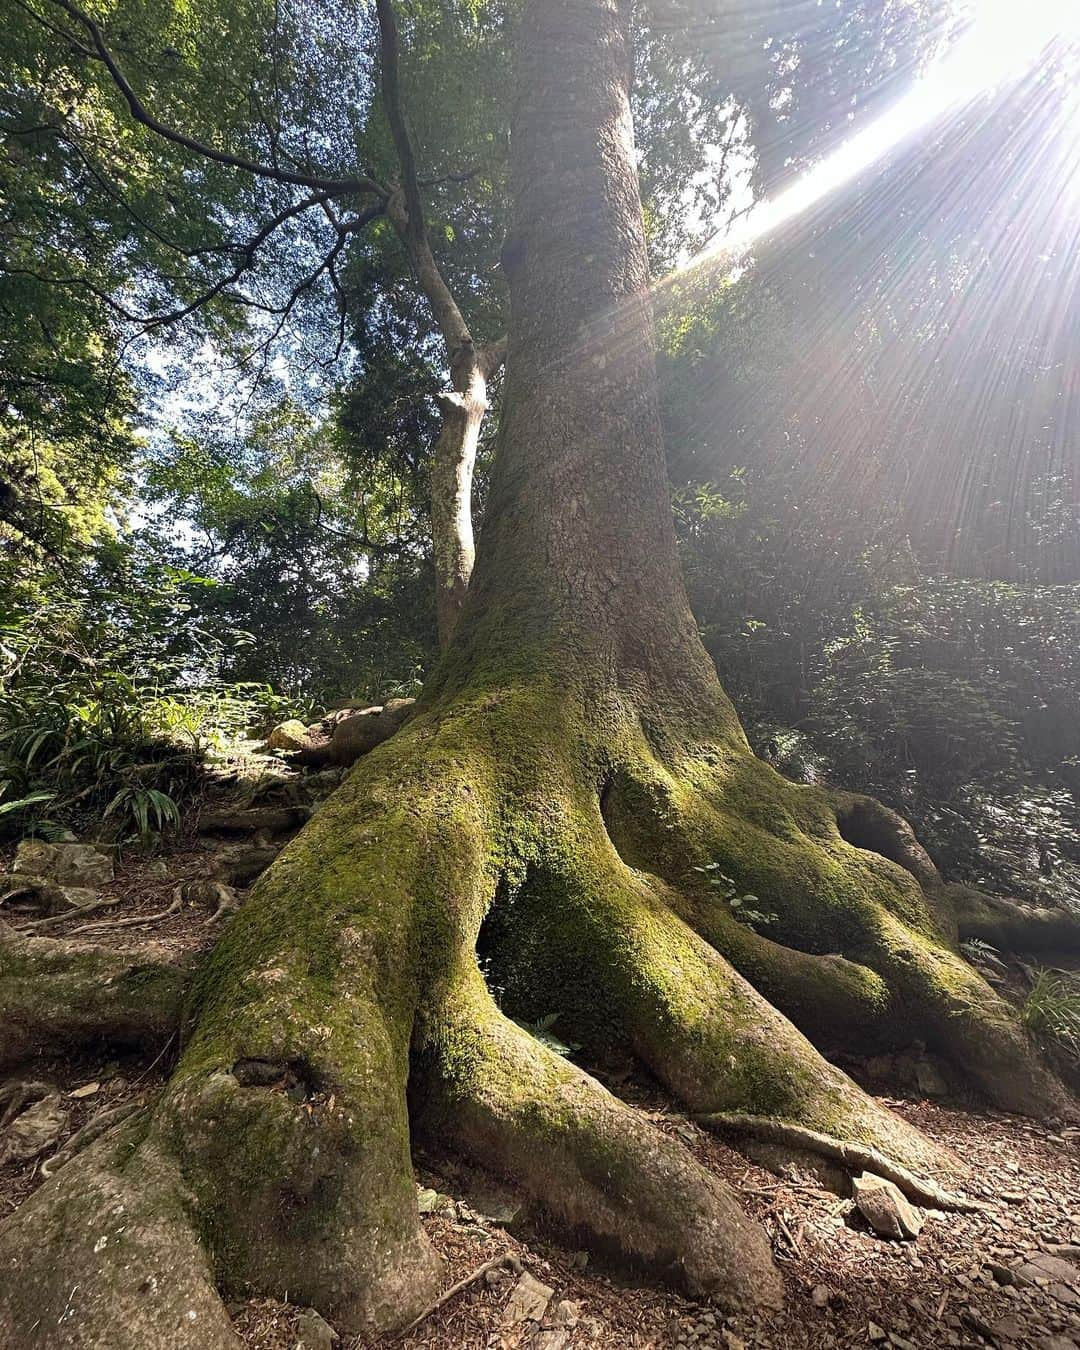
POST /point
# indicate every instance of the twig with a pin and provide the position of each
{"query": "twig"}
(155, 1061)
(788, 1234)
(506, 1259)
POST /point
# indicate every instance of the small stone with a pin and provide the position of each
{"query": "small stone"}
(315, 1332)
(290, 735)
(559, 1326)
(34, 1130)
(528, 1301)
(885, 1208)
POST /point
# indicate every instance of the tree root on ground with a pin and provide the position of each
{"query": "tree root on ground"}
(852, 1156)
(593, 1167)
(62, 994)
(480, 839)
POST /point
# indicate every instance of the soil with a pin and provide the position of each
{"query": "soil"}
(956, 1285)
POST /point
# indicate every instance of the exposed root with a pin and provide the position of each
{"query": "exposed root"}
(592, 1166)
(781, 842)
(700, 1027)
(93, 1129)
(1011, 925)
(350, 975)
(56, 994)
(852, 1156)
(38, 926)
(135, 921)
(104, 1256)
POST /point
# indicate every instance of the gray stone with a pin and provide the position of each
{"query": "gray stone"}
(885, 1208)
(35, 1130)
(315, 1332)
(78, 865)
(528, 1301)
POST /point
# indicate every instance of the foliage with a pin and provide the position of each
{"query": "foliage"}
(110, 701)
(1052, 1009)
(951, 699)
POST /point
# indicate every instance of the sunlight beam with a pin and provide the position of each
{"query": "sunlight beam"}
(1003, 40)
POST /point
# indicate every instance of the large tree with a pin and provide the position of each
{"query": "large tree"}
(572, 779)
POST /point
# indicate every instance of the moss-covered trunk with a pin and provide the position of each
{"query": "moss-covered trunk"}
(572, 781)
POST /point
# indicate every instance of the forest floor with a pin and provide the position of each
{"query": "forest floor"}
(1006, 1275)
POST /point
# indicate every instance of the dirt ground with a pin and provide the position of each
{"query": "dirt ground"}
(1007, 1275)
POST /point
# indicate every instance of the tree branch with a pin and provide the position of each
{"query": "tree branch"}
(405, 207)
(99, 51)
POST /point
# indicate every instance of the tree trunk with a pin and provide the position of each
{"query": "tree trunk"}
(572, 782)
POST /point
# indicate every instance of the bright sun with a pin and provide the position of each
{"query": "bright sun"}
(1003, 40)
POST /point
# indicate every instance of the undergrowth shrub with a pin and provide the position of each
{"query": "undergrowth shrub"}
(111, 704)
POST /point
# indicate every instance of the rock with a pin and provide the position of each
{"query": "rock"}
(929, 1080)
(34, 897)
(558, 1327)
(324, 782)
(427, 1200)
(1001, 1274)
(528, 1301)
(290, 735)
(240, 868)
(35, 1130)
(355, 735)
(315, 1332)
(1044, 1267)
(820, 1295)
(78, 865)
(885, 1209)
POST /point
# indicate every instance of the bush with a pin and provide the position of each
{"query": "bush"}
(111, 701)
(951, 699)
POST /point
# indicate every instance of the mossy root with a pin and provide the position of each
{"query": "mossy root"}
(593, 1167)
(57, 994)
(106, 1256)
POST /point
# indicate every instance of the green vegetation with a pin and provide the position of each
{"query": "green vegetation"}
(1052, 1009)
